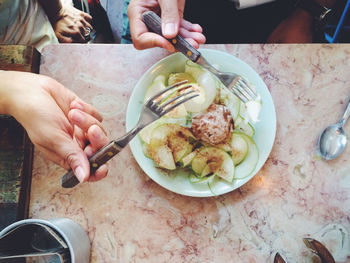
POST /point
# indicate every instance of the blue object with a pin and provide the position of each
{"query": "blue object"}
(334, 38)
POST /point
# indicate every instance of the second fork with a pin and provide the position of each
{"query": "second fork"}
(234, 82)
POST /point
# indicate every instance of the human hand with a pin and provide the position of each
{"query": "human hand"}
(58, 123)
(70, 25)
(172, 24)
(297, 28)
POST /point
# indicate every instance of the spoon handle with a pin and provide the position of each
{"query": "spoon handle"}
(346, 114)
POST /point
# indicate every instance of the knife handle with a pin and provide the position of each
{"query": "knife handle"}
(154, 24)
(103, 155)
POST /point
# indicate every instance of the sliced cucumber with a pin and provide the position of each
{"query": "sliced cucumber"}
(248, 165)
(180, 141)
(193, 69)
(206, 82)
(145, 150)
(162, 132)
(199, 162)
(196, 104)
(207, 170)
(146, 133)
(158, 148)
(242, 126)
(230, 101)
(201, 180)
(226, 146)
(178, 77)
(227, 169)
(158, 85)
(173, 137)
(213, 160)
(239, 147)
(162, 155)
(186, 160)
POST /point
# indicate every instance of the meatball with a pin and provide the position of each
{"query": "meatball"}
(214, 125)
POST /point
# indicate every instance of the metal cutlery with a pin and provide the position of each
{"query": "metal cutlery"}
(234, 82)
(316, 247)
(333, 139)
(319, 249)
(156, 107)
(34, 240)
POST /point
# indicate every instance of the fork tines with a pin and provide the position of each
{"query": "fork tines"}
(243, 90)
(162, 103)
(181, 98)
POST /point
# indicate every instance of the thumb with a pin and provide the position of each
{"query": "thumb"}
(170, 18)
(76, 159)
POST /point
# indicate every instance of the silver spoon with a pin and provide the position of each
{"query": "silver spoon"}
(333, 139)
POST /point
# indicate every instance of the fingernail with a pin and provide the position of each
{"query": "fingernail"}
(77, 105)
(88, 151)
(79, 173)
(77, 116)
(169, 29)
(96, 133)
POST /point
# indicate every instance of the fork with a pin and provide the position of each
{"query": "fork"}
(156, 107)
(234, 82)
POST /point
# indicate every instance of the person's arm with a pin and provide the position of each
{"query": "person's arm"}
(62, 126)
(172, 24)
(299, 26)
(52, 8)
(68, 22)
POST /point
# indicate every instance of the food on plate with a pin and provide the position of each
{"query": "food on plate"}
(253, 109)
(169, 143)
(209, 136)
(213, 161)
(213, 126)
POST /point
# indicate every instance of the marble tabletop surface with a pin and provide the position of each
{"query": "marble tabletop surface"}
(130, 218)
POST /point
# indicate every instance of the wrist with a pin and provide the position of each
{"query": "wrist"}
(52, 9)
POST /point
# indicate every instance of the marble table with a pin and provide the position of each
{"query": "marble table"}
(130, 218)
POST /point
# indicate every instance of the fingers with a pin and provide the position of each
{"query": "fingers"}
(142, 39)
(170, 18)
(94, 134)
(83, 106)
(192, 42)
(70, 155)
(191, 27)
(196, 36)
(149, 40)
(100, 173)
(97, 139)
(64, 39)
(75, 34)
(67, 100)
(82, 119)
(86, 18)
(72, 24)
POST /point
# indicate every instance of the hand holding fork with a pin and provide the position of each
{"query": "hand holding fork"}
(156, 107)
(234, 82)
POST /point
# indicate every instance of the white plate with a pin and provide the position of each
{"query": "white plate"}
(178, 181)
